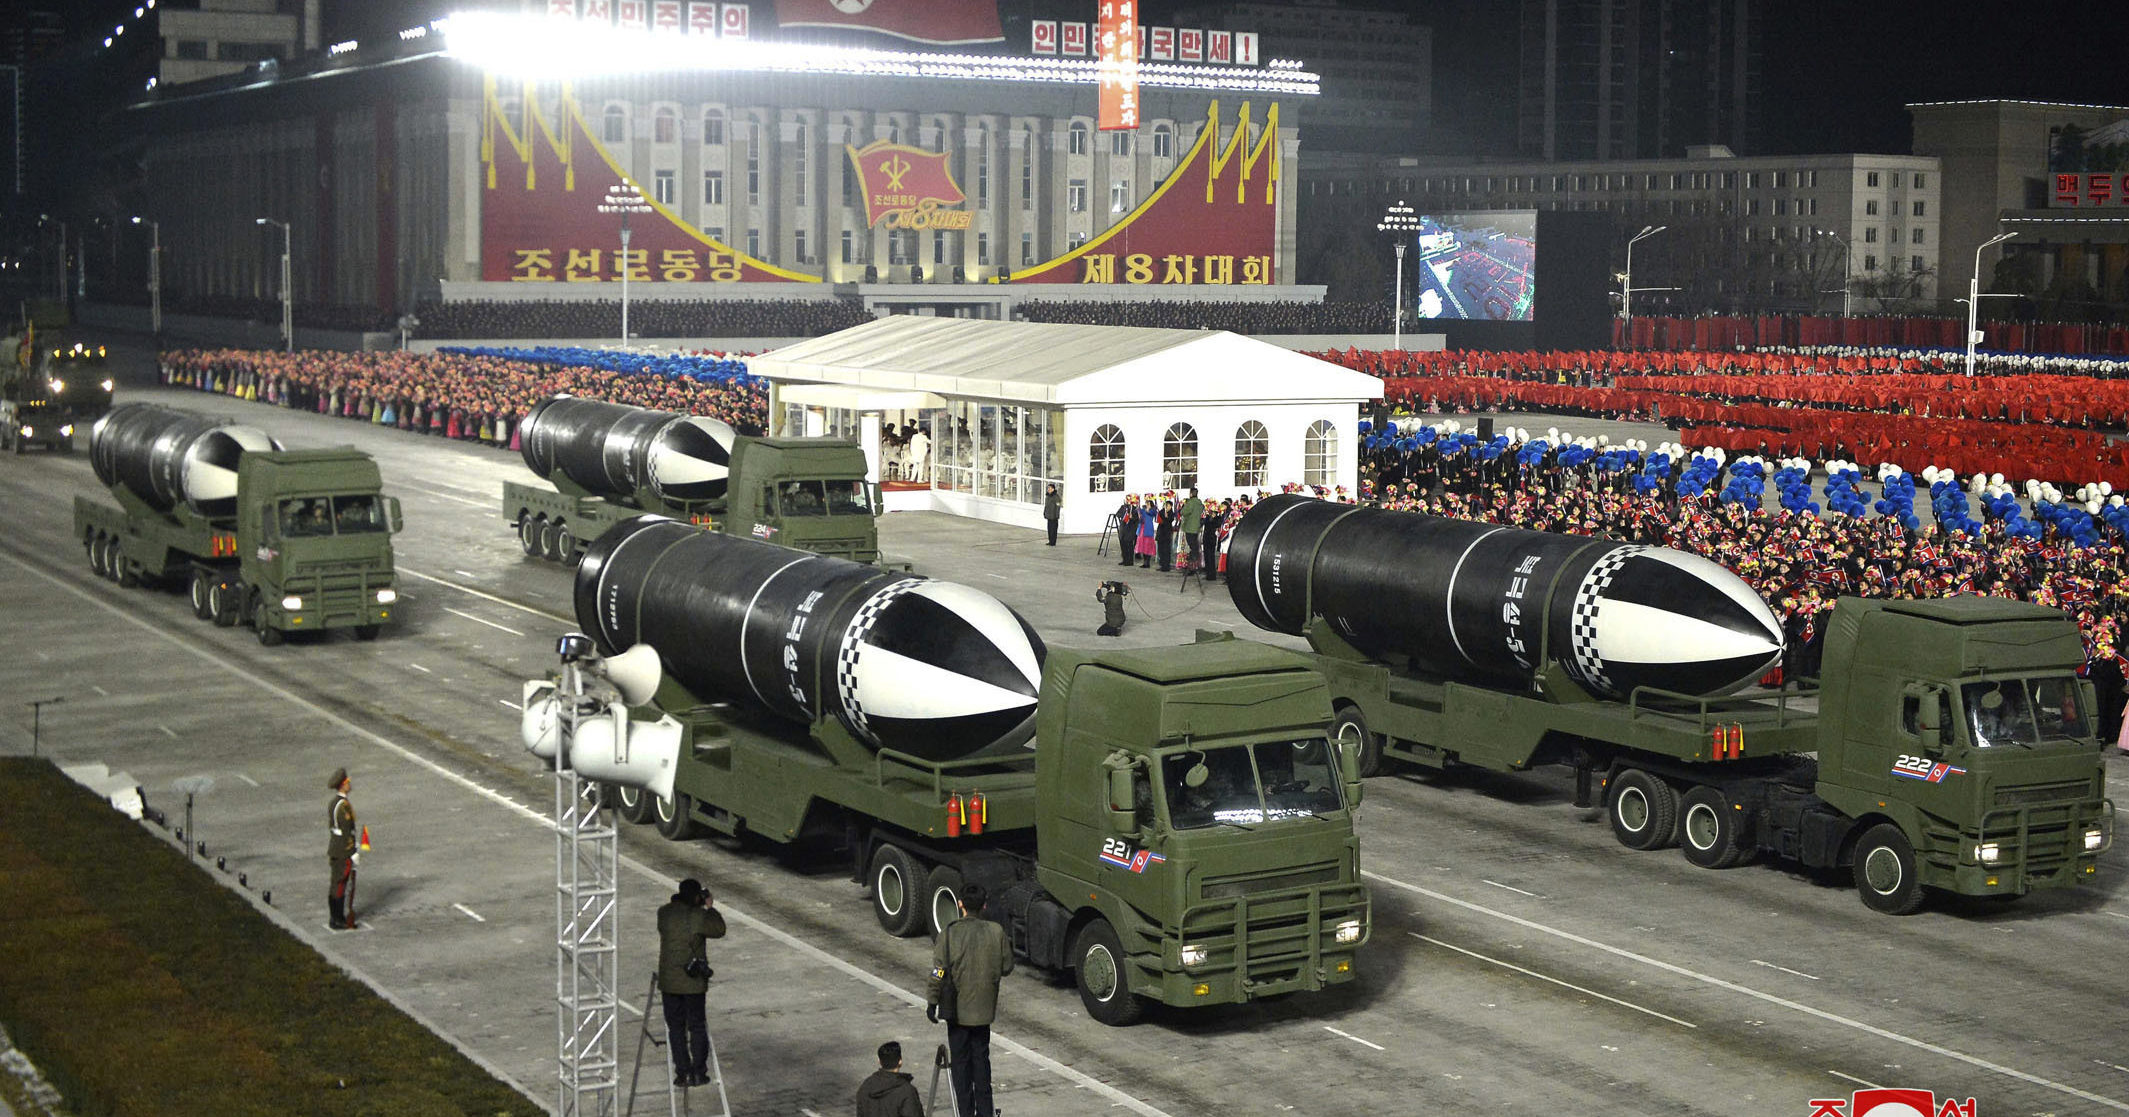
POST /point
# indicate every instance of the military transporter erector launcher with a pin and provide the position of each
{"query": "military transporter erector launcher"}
(1951, 747)
(609, 462)
(1170, 824)
(281, 540)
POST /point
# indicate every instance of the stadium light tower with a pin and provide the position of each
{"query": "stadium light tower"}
(1847, 262)
(155, 276)
(1399, 220)
(288, 292)
(624, 198)
(1973, 300)
(1626, 278)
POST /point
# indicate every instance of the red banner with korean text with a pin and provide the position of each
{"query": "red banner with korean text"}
(925, 21)
(1213, 220)
(1117, 50)
(543, 183)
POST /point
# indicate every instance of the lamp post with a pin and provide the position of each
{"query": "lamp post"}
(288, 293)
(1626, 278)
(37, 720)
(625, 199)
(1399, 219)
(155, 277)
(1973, 299)
(43, 219)
(1847, 263)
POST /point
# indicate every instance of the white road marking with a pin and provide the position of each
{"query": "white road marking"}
(167, 732)
(478, 620)
(470, 913)
(444, 495)
(804, 1112)
(1746, 990)
(1784, 969)
(2115, 914)
(1852, 1078)
(99, 690)
(1511, 888)
(420, 668)
(464, 573)
(1078, 1078)
(1554, 980)
(512, 705)
(246, 779)
(1354, 1038)
(486, 596)
(2116, 1066)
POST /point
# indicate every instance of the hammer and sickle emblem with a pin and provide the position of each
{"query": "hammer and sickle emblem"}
(895, 167)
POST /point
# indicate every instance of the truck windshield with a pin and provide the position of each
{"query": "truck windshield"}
(2025, 711)
(801, 498)
(357, 514)
(1249, 784)
(324, 515)
(847, 498)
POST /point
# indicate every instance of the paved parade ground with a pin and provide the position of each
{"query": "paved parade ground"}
(1521, 961)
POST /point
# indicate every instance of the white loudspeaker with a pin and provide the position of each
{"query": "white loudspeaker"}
(651, 750)
(539, 729)
(635, 673)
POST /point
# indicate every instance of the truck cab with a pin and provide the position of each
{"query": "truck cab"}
(314, 542)
(805, 493)
(78, 377)
(1195, 826)
(1962, 724)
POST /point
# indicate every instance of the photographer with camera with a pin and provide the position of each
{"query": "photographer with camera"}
(684, 924)
(1111, 595)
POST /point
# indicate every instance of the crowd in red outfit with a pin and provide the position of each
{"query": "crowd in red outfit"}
(453, 395)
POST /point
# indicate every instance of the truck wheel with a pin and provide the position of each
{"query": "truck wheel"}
(200, 607)
(367, 631)
(1351, 726)
(1885, 871)
(269, 636)
(676, 817)
(897, 886)
(95, 546)
(942, 896)
(1644, 810)
(551, 540)
(122, 572)
(528, 533)
(565, 543)
(1104, 986)
(220, 608)
(635, 804)
(1710, 830)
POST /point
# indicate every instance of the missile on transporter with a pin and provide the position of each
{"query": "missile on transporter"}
(1474, 600)
(615, 450)
(933, 669)
(168, 457)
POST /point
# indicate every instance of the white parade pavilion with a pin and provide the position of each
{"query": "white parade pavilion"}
(1007, 408)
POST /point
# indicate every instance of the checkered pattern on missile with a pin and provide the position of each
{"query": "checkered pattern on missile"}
(846, 657)
(1582, 630)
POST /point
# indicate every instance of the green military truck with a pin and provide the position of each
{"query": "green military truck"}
(611, 462)
(79, 379)
(1172, 825)
(281, 540)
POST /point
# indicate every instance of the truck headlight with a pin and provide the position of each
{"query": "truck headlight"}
(67, 431)
(1987, 853)
(59, 385)
(1349, 931)
(28, 431)
(387, 596)
(2095, 838)
(292, 603)
(1193, 955)
(107, 384)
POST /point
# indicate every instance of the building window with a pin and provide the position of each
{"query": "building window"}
(192, 48)
(1780, 179)
(1252, 453)
(1870, 263)
(1870, 208)
(1809, 180)
(1163, 142)
(615, 127)
(983, 168)
(1076, 195)
(1119, 143)
(1027, 168)
(938, 248)
(801, 161)
(713, 188)
(1870, 179)
(1870, 235)
(713, 127)
(754, 243)
(1896, 180)
(1074, 241)
(902, 247)
(1781, 207)
(1814, 207)
(1027, 249)
(1179, 457)
(665, 125)
(850, 184)
(849, 248)
(1319, 454)
(1119, 197)
(1916, 236)
(1751, 207)
(1105, 460)
(714, 232)
(1918, 209)
(1076, 139)
(799, 246)
(1917, 264)
(754, 165)
(894, 131)
(1894, 234)
(1918, 180)
(662, 187)
(983, 250)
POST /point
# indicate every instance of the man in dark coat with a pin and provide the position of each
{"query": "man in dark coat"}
(341, 853)
(975, 951)
(1111, 595)
(684, 923)
(1127, 530)
(889, 1092)
(1052, 507)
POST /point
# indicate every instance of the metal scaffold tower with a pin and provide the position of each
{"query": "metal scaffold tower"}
(587, 956)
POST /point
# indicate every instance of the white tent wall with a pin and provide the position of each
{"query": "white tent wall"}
(1145, 430)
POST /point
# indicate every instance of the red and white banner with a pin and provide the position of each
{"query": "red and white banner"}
(1190, 45)
(1044, 36)
(1245, 48)
(665, 16)
(1116, 45)
(735, 20)
(1072, 39)
(567, 8)
(1160, 44)
(1219, 47)
(598, 11)
(635, 15)
(702, 17)
(925, 21)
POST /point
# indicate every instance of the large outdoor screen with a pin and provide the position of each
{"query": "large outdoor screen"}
(1478, 266)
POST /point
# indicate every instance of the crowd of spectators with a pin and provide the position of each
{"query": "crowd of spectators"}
(1235, 317)
(471, 394)
(1724, 331)
(718, 318)
(311, 316)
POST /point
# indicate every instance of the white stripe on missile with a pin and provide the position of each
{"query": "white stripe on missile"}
(1628, 632)
(686, 469)
(1732, 586)
(990, 617)
(893, 685)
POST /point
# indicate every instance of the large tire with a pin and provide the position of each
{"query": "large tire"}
(122, 571)
(635, 804)
(1644, 810)
(897, 880)
(1885, 875)
(528, 533)
(942, 899)
(269, 636)
(676, 818)
(1104, 987)
(1351, 725)
(95, 547)
(367, 631)
(1711, 829)
(551, 540)
(566, 550)
(200, 583)
(226, 601)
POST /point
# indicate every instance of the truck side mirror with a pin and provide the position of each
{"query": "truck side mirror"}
(1123, 793)
(391, 509)
(1349, 769)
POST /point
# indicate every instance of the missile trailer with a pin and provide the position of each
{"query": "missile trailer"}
(1170, 824)
(1949, 746)
(280, 540)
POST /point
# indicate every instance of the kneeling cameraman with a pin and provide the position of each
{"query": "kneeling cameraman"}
(1111, 595)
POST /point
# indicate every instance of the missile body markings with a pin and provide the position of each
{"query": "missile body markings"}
(168, 457)
(615, 450)
(933, 669)
(1480, 602)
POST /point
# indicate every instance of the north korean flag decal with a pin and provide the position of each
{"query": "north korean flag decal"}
(1924, 769)
(1115, 852)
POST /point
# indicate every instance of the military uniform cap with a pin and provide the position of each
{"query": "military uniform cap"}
(339, 777)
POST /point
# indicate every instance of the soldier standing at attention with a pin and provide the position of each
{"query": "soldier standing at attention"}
(340, 851)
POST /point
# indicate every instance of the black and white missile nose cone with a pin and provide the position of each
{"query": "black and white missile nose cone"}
(938, 670)
(1655, 617)
(691, 459)
(210, 470)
